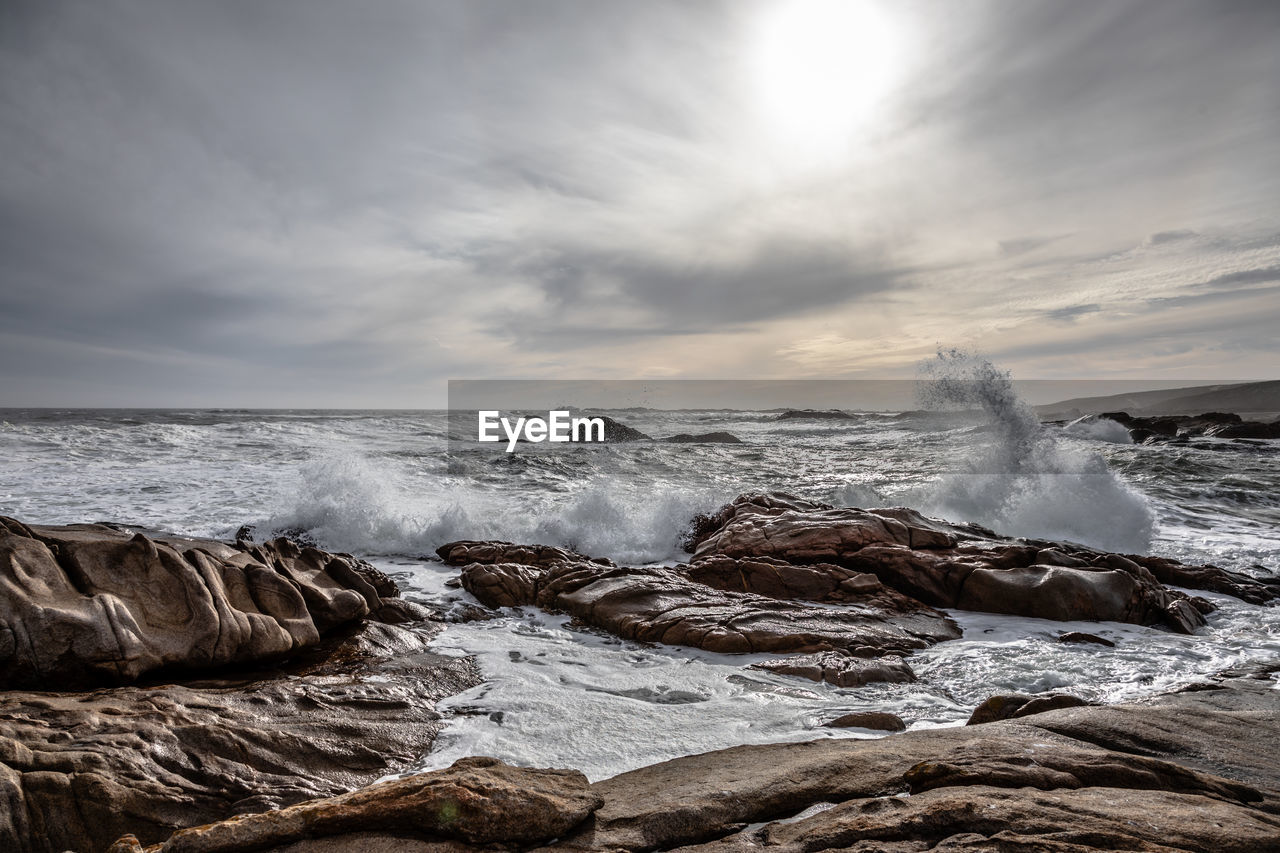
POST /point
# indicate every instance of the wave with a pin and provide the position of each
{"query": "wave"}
(365, 506)
(1025, 482)
(1099, 429)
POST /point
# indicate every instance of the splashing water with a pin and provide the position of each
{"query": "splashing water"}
(1025, 482)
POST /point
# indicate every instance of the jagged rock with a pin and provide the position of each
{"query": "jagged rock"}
(880, 721)
(467, 551)
(1237, 584)
(476, 801)
(1010, 706)
(87, 604)
(662, 605)
(841, 669)
(78, 770)
(1082, 637)
(948, 565)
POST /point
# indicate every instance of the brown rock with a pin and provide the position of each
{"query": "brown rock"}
(476, 801)
(1010, 706)
(662, 606)
(86, 604)
(79, 770)
(877, 720)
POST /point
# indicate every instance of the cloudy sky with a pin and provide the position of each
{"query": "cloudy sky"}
(346, 203)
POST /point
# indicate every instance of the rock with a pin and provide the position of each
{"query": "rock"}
(704, 438)
(944, 565)
(1253, 590)
(1168, 774)
(1219, 424)
(1016, 785)
(817, 535)
(87, 604)
(815, 415)
(661, 605)
(1055, 592)
(616, 431)
(1013, 705)
(880, 721)
(467, 551)
(840, 669)
(1082, 637)
(476, 801)
(79, 770)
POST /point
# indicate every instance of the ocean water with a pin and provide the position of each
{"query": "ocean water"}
(382, 485)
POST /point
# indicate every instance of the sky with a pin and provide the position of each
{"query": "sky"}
(323, 203)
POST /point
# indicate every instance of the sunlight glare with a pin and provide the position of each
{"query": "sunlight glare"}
(821, 68)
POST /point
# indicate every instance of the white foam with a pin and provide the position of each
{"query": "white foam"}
(1099, 429)
(1024, 482)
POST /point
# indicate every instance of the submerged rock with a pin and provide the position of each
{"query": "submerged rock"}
(841, 669)
(876, 720)
(704, 438)
(815, 415)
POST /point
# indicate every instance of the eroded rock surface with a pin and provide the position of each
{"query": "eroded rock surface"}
(476, 801)
(78, 770)
(660, 605)
(87, 604)
(950, 565)
(1078, 780)
(288, 691)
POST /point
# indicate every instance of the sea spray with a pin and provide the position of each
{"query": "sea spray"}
(1024, 482)
(373, 506)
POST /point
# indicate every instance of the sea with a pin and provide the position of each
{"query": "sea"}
(390, 487)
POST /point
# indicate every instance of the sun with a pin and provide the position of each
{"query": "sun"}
(820, 69)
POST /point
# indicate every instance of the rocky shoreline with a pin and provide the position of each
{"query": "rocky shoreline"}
(214, 696)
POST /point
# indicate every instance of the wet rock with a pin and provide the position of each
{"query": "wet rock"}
(1015, 785)
(1013, 705)
(880, 721)
(661, 605)
(815, 415)
(88, 604)
(616, 431)
(946, 565)
(476, 801)
(1254, 590)
(704, 438)
(1082, 637)
(467, 551)
(841, 669)
(79, 770)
